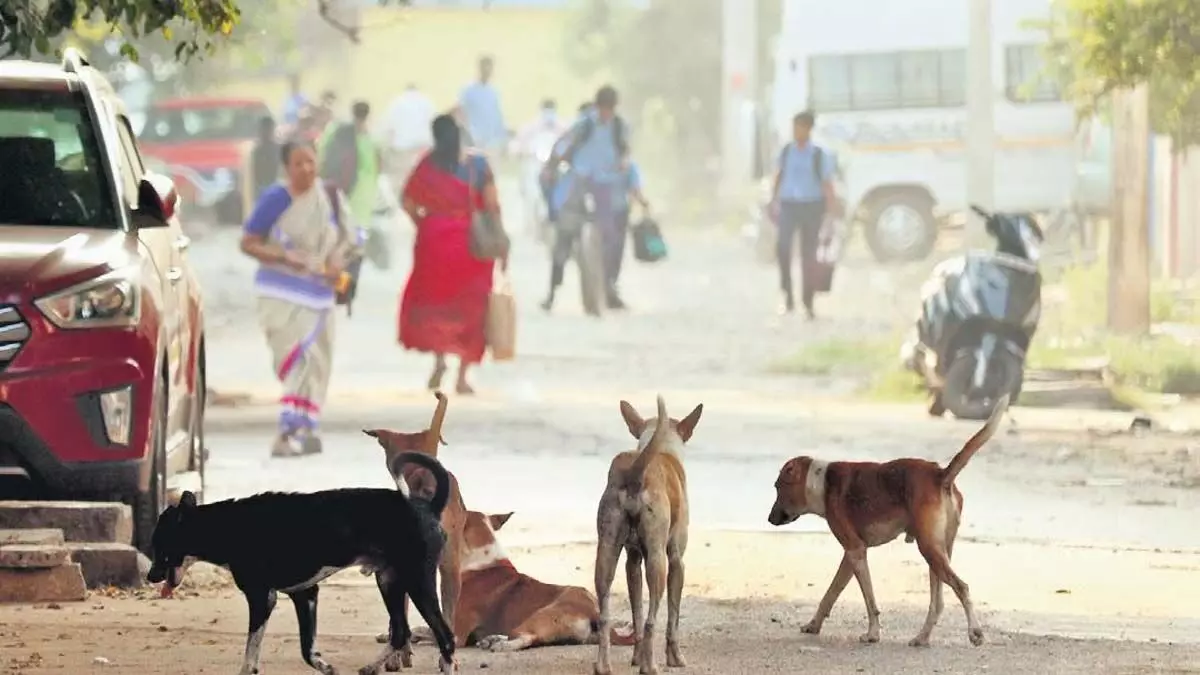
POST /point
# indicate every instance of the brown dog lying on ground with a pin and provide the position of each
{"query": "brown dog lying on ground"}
(868, 504)
(502, 610)
(644, 509)
(416, 480)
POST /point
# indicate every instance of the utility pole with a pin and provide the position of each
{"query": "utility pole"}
(739, 89)
(980, 123)
(1129, 238)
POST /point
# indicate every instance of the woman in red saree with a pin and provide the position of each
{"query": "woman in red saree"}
(444, 306)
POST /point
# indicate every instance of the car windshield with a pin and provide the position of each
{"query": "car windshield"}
(224, 123)
(53, 173)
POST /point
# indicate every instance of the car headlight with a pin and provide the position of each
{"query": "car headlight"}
(111, 300)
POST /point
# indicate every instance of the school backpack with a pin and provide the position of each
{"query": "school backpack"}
(585, 134)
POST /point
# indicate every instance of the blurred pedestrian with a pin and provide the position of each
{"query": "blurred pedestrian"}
(301, 246)
(264, 158)
(295, 102)
(444, 307)
(406, 132)
(802, 195)
(350, 160)
(480, 103)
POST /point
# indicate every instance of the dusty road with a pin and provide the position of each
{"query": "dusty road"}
(1079, 560)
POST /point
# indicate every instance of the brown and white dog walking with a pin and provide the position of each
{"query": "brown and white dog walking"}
(502, 610)
(416, 480)
(644, 509)
(868, 504)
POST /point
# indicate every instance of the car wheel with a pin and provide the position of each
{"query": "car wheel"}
(149, 504)
(900, 227)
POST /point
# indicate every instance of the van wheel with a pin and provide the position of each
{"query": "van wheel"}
(900, 227)
(149, 504)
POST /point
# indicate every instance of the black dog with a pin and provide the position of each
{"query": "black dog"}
(288, 542)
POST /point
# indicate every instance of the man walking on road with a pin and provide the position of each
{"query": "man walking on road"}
(803, 193)
(407, 129)
(598, 155)
(350, 160)
(480, 103)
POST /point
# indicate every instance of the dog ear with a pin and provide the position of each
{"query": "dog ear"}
(187, 500)
(688, 424)
(632, 419)
(497, 521)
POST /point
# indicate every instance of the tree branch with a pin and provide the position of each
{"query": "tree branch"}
(351, 32)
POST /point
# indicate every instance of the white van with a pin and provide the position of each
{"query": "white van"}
(888, 82)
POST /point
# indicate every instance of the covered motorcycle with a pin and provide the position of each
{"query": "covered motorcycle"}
(978, 316)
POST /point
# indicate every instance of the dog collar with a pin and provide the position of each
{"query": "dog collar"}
(814, 487)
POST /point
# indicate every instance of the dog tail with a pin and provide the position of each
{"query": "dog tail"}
(638, 470)
(441, 494)
(976, 442)
(435, 425)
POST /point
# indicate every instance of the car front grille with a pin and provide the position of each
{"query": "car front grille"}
(14, 331)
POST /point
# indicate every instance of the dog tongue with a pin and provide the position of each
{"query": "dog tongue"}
(167, 590)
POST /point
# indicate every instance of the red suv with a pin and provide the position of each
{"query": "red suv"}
(101, 322)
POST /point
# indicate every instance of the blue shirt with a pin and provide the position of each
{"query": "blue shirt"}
(481, 107)
(292, 107)
(597, 158)
(798, 181)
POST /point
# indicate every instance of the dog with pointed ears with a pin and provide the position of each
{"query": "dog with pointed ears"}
(644, 510)
(868, 504)
(414, 479)
(288, 543)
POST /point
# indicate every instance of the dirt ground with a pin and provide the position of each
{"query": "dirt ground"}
(743, 622)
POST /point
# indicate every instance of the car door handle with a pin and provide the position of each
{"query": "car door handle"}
(174, 274)
(183, 242)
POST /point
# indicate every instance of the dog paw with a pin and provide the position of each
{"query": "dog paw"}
(492, 643)
(598, 669)
(369, 670)
(976, 636)
(445, 666)
(395, 661)
(422, 634)
(869, 638)
(323, 667)
(919, 641)
(382, 638)
(811, 628)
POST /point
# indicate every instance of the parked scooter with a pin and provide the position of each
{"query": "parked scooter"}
(978, 315)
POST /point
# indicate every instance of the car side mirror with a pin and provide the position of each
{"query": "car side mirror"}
(158, 201)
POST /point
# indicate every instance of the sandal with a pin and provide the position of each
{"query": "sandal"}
(286, 446)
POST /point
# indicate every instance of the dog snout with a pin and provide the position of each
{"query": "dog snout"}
(777, 516)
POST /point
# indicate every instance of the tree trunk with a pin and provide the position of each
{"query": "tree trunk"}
(1129, 237)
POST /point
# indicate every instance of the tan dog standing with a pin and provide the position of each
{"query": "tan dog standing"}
(644, 509)
(502, 610)
(868, 504)
(413, 479)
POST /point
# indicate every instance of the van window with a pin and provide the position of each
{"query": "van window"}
(1026, 79)
(888, 80)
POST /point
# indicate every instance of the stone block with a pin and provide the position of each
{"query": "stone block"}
(55, 584)
(104, 564)
(42, 537)
(33, 556)
(79, 521)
